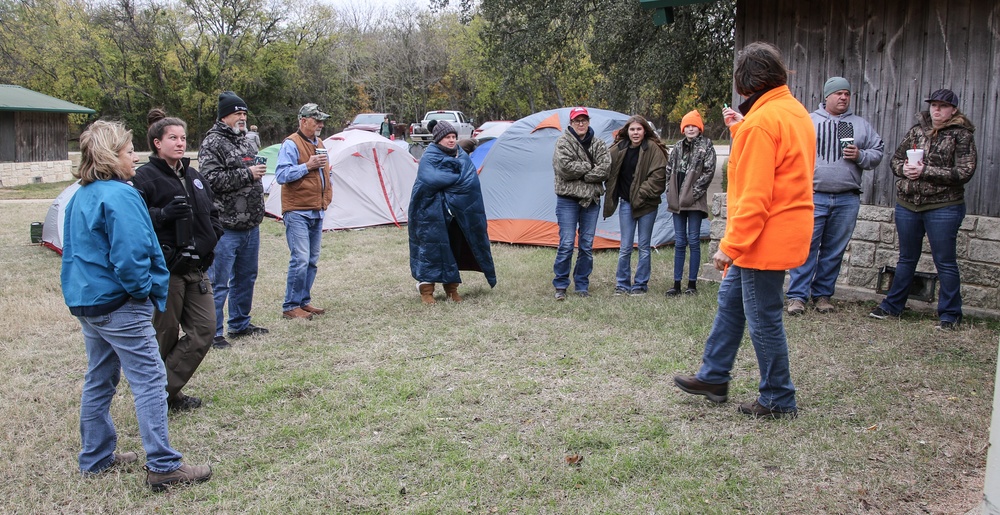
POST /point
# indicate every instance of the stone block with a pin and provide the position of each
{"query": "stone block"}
(980, 297)
(926, 264)
(867, 231)
(885, 257)
(984, 250)
(875, 213)
(717, 229)
(987, 228)
(887, 233)
(713, 247)
(962, 245)
(983, 274)
(862, 254)
(719, 205)
(862, 277)
(969, 223)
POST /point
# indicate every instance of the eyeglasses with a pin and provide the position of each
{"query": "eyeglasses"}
(580, 121)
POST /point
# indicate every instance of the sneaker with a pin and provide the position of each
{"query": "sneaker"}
(823, 305)
(947, 325)
(183, 403)
(560, 293)
(796, 307)
(673, 292)
(619, 291)
(717, 393)
(881, 314)
(637, 293)
(583, 294)
(186, 474)
(251, 330)
(756, 410)
(220, 342)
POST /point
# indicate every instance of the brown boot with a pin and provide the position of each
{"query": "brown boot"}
(426, 292)
(451, 290)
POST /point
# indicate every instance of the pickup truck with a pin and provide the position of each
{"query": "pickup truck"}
(463, 125)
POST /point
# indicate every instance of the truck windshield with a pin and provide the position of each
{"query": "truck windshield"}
(442, 116)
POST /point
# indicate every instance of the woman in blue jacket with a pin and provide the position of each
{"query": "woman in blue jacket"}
(113, 273)
(447, 218)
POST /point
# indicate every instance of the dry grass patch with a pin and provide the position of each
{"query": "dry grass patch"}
(385, 405)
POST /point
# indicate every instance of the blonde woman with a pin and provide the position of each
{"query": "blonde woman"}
(113, 274)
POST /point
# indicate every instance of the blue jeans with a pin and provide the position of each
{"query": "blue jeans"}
(834, 218)
(627, 226)
(687, 234)
(304, 235)
(233, 274)
(941, 226)
(751, 298)
(575, 220)
(124, 340)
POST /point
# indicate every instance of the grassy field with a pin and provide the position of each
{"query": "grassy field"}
(385, 405)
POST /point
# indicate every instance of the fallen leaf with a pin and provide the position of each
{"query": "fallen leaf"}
(574, 460)
(873, 427)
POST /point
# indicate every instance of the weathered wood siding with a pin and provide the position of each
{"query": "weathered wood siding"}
(894, 53)
(40, 136)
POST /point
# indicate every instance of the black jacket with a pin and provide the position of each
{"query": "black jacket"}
(159, 185)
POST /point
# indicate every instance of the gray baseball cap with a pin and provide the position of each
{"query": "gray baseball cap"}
(312, 111)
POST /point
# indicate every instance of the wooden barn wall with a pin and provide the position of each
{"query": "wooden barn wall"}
(40, 136)
(894, 53)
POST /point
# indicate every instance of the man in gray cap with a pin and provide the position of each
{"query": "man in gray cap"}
(304, 175)
(846, 144)
(226, 159)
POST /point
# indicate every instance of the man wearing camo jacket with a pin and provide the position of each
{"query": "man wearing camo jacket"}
(226, 159)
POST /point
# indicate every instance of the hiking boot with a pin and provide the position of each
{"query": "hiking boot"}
(756, 410)
(251, 330)
(673, 292)
(583, 294)
(220, 342)
(796, 307)
(297, 313)
(881, 314)
(309, 308)
(823, 305)
(619, 291)
(691, 291)
(717, 393)
(186, 474)
(119, 460)
(183, 403)
(637, 293)
(560, 293)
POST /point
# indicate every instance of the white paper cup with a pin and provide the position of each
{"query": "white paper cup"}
(914, 156)
(844, 142)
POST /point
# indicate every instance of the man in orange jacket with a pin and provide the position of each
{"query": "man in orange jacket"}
(768, 230)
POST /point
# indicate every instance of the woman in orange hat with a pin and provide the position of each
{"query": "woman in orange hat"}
(689, 172)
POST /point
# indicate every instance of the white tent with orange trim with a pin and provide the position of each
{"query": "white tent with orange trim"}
(517, 182)
(372, 179)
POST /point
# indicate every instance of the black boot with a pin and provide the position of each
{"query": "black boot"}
(692, 288)
(676, 290)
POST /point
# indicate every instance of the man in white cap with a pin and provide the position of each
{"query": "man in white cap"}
(846, 145)
(304, 175)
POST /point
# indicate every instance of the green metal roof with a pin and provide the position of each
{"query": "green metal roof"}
(16, 98)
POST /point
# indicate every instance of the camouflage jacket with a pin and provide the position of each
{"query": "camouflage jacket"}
(949, 161)
(577, 174)
(224, 158)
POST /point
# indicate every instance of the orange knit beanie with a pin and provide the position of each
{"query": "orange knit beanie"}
(693, 118)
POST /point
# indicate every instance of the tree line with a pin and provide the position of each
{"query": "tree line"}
(496, 59)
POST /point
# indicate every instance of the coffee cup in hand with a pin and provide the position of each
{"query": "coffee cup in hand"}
(846, 142)
(914, 156)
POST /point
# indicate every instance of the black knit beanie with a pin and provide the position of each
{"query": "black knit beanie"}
(442, 129)
(229, 103)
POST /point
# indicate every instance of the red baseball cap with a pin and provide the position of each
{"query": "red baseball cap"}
(577, 112)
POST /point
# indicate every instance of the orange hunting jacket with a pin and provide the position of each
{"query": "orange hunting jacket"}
(770, 194)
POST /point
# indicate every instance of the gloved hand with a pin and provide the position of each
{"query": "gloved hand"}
(177, 208)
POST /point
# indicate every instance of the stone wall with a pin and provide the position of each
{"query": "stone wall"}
(874, 245)
(18, 174)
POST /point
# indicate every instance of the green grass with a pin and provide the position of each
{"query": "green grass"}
(46, 190)
(385, 405)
